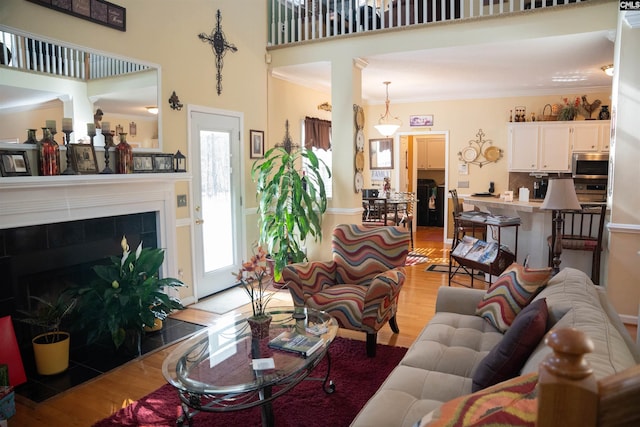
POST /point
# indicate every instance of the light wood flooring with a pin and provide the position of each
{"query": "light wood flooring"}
(97, 399)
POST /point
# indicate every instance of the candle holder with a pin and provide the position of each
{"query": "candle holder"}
(69, 170)
(108, 143)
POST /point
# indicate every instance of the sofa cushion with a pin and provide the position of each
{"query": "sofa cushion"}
(453, 344)
(510, 403)
(506, 359)
(574, 302)
(511, 292)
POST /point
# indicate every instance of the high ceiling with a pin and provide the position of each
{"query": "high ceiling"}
(570, 64)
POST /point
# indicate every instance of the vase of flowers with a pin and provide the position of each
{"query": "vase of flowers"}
(255, 276)
(126, 296)
(569, 110)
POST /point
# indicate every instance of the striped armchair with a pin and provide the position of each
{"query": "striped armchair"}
(360, 286)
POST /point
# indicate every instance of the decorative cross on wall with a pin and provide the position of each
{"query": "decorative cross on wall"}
(220, 47)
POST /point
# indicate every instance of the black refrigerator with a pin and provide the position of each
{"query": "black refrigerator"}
(430, 214)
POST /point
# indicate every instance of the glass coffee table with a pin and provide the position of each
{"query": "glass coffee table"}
(222, 368)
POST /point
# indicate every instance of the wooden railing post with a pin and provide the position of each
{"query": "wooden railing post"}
(567, 388)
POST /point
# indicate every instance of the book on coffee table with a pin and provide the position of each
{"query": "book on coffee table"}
(296, 343)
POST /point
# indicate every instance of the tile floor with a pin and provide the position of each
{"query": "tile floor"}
(87, 362)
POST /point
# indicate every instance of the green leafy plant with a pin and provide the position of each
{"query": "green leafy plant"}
(126, 296)
(570, 109)
(49, 315)
(290, 208)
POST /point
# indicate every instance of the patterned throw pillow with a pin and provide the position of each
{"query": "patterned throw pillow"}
(512, 291)
(507, 358)
(511, 403)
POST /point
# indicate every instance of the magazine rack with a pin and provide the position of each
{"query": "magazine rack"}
(466, 266)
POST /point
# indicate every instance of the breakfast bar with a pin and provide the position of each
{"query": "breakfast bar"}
(535, 226)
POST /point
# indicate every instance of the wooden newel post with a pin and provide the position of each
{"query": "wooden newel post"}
(567, 388)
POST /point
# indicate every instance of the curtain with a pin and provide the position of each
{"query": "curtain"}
(317, 133)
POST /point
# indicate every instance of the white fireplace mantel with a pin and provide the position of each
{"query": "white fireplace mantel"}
(27, 201)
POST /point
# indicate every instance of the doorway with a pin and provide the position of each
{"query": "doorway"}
(427, 170)
(217, 210)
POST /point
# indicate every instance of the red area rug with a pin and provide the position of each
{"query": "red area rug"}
(356, 378)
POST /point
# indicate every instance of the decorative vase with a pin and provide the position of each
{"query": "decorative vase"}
(31, 137)
(604, 113)
(48, 154)
(259, 326)
(124, 155)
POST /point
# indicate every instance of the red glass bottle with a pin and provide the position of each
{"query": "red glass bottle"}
(124, 155)
(48, 152)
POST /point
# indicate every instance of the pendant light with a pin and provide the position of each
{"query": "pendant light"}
(387, 124)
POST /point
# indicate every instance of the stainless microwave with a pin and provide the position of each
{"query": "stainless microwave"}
(590, 165)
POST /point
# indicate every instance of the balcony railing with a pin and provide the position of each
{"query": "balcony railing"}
(21, 52)
(294, 21)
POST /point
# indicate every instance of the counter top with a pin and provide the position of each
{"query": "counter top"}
(533, 205)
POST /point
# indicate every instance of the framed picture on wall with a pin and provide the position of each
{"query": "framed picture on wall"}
(421, 120)
(256, 144)
(14, 163)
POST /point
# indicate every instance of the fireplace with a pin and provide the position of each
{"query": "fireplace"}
(53, 229)
(44, 260)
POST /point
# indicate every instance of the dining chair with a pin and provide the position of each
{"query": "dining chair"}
(463, 227)
(582, 231)
(408, 213)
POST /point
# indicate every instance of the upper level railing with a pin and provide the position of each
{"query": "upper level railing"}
(293, 21)
(31, 54)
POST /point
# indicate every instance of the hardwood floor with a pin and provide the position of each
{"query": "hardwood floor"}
(90, 402)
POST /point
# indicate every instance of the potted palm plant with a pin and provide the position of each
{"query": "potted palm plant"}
(127, 296)
(290, 204)
(51, 347)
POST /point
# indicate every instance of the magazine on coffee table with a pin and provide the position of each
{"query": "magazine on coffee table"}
(296, 343)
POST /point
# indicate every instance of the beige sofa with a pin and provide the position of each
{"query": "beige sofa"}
(440, 364)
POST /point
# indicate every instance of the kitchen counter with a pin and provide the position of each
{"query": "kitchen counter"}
(536, 225)
(533, 205)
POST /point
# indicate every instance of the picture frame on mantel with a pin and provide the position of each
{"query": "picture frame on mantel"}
(83, 159)
(14, 163)
(98, 11)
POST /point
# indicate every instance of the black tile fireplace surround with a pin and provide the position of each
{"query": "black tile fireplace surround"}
(43, 260)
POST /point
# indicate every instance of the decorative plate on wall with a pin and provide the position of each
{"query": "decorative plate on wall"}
(492, 154)
(469, 154)
(359, 161)
(359, 117)
(360, 140)
(358, 181)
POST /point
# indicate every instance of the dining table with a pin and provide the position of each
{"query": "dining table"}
(385, 210)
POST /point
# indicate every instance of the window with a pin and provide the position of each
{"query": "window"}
(327, 157)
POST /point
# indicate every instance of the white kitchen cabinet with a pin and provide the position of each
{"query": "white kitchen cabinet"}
(605, 136)
(421, 161)
(435, 153)
(590, 136)
(522, 152)
(555, 148)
